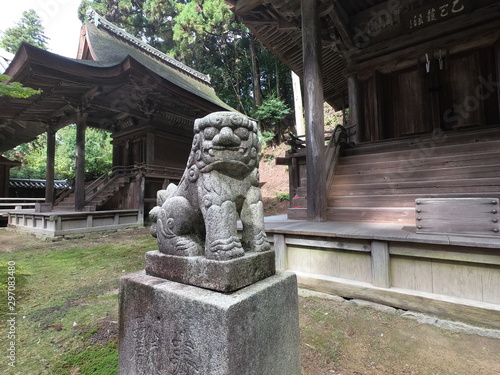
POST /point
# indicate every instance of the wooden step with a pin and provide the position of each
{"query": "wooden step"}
(479, 185)
(405, 165)
(429, 141)
(299, 202)
(470, 172)
(400, 215)
(396, 200)
(423, 153)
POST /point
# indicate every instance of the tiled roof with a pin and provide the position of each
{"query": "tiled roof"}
(21, 183)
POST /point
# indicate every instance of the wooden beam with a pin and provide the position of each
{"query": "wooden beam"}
(80, 160)
(243, 7)
(313, 103)
(50, 165)
(341, 22)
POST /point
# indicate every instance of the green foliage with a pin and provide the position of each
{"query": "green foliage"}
(15, 89)
(33, 155)
(272, 116)
(266, 136)
(283, 196)
(28, 29)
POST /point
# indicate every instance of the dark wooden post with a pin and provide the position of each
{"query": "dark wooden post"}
(313, 103)
(355, 110)
(50, 164)
(497, 63)
(81, 124)
(141, 205)
(150, 149)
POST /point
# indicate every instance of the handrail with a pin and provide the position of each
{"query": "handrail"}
(116, 172)
(106, 179)
(23, 199)
(338, 138)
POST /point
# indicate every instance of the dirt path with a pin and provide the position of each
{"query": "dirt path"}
(353, 338)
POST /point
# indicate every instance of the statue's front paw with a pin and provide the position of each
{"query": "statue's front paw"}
(224, 249)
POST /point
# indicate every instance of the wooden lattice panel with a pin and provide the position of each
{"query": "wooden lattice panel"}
(471, 216)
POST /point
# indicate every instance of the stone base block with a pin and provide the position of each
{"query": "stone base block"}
(222, 276)
(172, 328)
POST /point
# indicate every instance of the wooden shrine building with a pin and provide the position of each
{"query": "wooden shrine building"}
(146, 99)
(405, 212)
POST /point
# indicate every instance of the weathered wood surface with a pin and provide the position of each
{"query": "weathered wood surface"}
(381, 263)
(334, 263)
(479, 216)
(381, 182)
(314, 117)
(459, 309)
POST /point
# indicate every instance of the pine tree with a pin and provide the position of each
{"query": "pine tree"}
(28, 29)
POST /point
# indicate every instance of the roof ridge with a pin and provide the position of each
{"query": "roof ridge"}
(98, 20)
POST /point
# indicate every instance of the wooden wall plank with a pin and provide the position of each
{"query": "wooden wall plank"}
(491, 282)
(457, 280)
(335, 263)
(413, 274)
(380, 264)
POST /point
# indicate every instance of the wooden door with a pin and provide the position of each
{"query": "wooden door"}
(408, 104)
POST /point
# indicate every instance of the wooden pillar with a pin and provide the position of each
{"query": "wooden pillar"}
(150, 149)
(313, 103)
(117, 152)
(141, 197)
(81, 124)
(297, 100)
(49, 166)
(355, 107)
(497, 63)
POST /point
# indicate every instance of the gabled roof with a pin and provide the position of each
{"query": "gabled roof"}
(108, 45)
(120, 83)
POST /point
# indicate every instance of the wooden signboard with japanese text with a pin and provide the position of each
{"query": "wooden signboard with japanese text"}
(435, 12)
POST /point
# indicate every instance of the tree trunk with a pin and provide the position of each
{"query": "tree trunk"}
(257, 92)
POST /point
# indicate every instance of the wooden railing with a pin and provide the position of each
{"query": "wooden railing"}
(337, 139)
(107, 179)
(9, 204)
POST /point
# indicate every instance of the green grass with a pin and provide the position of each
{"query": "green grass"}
(66, 292)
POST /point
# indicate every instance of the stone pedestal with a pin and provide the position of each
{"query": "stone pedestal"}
(177, 329)
(226, 276)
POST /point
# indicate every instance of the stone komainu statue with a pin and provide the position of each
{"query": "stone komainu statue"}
(220, 183)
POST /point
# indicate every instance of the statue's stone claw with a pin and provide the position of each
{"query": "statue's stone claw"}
(225, 249)
(260, 243)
